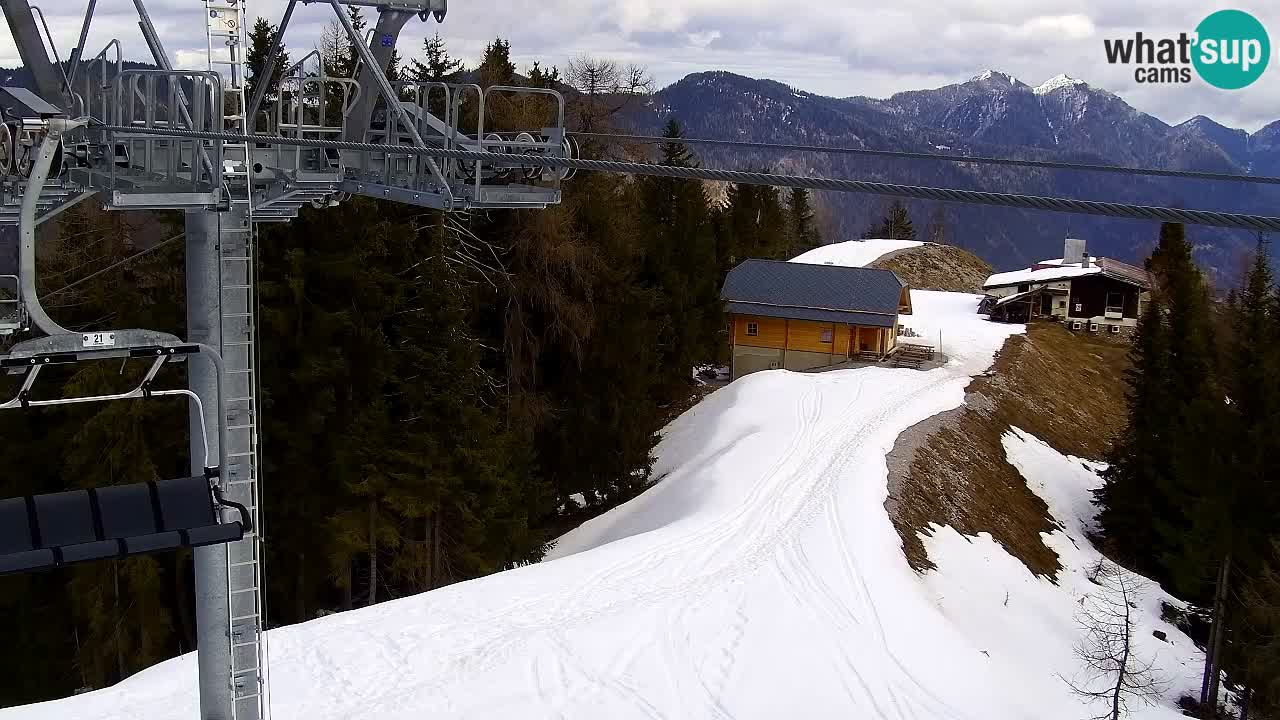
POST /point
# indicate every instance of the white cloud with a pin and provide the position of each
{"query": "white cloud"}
(835, 47)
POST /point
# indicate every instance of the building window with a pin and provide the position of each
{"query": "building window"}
(827, 336)
(1062, 304)
(753, 329)
(1115, 302)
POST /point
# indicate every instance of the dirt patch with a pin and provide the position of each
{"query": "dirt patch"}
(937, 267)
(951, 469)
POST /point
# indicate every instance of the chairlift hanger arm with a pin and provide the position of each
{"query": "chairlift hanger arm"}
(32, 356)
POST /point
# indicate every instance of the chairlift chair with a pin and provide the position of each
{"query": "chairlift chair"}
(39, 532)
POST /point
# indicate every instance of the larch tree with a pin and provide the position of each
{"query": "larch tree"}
(1114, 672)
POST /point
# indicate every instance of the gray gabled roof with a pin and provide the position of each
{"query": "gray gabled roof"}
(822, 316)
(798, 290)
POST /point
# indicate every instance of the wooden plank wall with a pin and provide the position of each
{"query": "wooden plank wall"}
(772, 332)
(797, 335)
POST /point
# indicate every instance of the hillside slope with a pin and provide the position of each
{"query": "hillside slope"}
(951, 469)
(937, 267)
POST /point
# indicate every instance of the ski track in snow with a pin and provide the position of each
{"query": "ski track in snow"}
(760, 578)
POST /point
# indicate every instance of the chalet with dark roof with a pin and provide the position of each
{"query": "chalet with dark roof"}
(1085, 293)
(797, 316)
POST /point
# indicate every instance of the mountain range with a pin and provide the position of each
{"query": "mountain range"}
(994, 114)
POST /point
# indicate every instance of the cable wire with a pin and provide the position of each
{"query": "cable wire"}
(115, 265)
(975, 159)
(1210, 218)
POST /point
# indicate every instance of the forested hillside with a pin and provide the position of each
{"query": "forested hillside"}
(442, 395)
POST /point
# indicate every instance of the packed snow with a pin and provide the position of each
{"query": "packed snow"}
(854, 253)
(760, 577)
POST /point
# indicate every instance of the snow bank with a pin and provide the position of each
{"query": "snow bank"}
(854, 253)
(759, 578)
(1024, 626)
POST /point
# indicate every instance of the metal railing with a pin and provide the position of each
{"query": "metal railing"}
(303, 111)
(10, 304)
(164, 99)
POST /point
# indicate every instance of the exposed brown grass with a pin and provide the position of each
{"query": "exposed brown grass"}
(951, 469)
(937, 267)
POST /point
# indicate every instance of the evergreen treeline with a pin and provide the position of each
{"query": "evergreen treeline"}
(436, 390)
(1190, 497)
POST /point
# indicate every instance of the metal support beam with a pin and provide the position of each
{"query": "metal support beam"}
(378, 72)
(385, 36)
(77, 52)
(26, 36)
(260, 91)
(204, 325)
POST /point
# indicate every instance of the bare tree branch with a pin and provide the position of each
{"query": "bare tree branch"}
(1113, 672)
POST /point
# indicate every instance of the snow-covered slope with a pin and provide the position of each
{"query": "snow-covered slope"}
(854, 253)
(760, 577)
(1027, 628)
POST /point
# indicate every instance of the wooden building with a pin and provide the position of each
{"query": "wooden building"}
(797, 316)
(1087, 294)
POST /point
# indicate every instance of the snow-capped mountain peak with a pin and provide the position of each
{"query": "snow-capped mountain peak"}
(1057, 83)
(994, 76)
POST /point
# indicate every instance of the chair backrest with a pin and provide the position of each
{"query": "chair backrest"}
(44, 531)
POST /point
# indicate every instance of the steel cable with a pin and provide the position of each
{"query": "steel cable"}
(977, 160)
(1257, 223)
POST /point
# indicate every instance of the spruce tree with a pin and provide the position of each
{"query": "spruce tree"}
(1127, 497)
(896, 225)
(1163, 504)
(496, 68)
(802, 229)
(256, 62)
(1192, 524)
(1253, 387)
(436, 65)
(1259, 633)
(680, 265)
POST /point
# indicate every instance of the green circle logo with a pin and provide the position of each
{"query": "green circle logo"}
(1232, 50)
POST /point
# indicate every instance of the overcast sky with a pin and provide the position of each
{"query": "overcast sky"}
(832, 47)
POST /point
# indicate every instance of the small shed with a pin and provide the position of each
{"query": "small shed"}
(798, 316)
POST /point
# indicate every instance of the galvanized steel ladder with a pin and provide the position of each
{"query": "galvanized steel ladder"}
(228, 44)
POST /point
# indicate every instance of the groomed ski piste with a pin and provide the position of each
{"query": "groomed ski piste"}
(760, 577)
